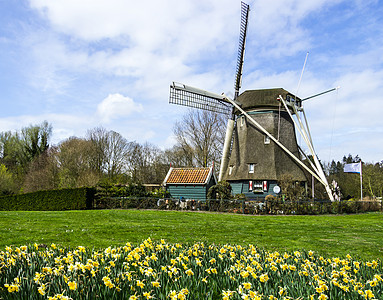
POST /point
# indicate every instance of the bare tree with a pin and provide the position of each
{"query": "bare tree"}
(117, 151)
(111, 151)
(201, 135)
(42, 172)
(98, 138)
(146, 164)
(177, 157)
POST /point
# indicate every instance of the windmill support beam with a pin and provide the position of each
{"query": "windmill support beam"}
(307, 138)
(226, 148)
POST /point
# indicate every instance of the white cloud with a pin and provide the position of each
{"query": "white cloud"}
(116, 106)
(153, 24)
(74, 53)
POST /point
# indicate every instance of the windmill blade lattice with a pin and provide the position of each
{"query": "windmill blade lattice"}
(245, 8)
(196, 98)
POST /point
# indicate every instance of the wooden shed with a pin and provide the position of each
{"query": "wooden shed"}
(189, 183)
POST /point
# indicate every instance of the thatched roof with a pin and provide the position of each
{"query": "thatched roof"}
(266, 98)
(270, 161)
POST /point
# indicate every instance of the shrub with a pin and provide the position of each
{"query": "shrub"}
(64, 199)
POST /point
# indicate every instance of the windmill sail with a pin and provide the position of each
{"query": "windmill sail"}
(245, 8)
(192, 97)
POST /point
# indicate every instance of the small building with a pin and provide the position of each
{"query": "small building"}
(151, 187)
(189, 183)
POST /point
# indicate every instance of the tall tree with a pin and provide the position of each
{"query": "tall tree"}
(76, 167)
(43, 172)
(7, 182)
(177, 157)
(146, 164)
(111, 151)
(10, 150)
(34, 141)
(201, 135)
(373, 179)
(18, 150)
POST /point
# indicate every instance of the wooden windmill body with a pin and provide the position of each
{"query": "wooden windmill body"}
(260, 144)
(256, 164)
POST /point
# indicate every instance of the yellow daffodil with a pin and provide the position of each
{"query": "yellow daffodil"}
(72, 285)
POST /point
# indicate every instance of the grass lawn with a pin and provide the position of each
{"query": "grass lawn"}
(330, 235)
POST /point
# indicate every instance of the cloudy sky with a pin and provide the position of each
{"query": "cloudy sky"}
(81, 64)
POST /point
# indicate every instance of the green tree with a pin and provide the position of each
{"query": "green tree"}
(10, 150)
(222, 190)
(7, 182)
(34, 141)
(373, 179)
(291, 189)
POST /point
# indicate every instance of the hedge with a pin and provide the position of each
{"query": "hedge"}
(63, 199)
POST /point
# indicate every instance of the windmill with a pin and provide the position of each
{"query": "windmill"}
(260, 143)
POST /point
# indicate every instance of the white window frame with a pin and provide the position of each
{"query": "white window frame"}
(258, 185)
(266, 139)
(251, 168)
(242, 121)
(231, 169)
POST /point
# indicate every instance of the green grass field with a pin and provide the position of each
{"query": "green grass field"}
(331, 235)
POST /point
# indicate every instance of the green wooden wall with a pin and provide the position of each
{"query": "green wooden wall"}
(242, 187)
(197, 192)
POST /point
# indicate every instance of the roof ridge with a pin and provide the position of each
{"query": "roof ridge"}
(198, 175)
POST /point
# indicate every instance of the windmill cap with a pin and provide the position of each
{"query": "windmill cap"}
(265, 98)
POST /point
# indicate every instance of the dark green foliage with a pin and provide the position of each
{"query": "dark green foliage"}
(7, 182)
(65, 199)
(34, 140)
(222, 190)
(109, 195)
(160, 193)
(106, 189)
(349, 183)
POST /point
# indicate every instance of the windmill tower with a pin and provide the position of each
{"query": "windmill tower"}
(260, 144)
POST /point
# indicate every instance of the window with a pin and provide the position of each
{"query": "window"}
(267, 139)
(251, 168)
(258, 186)
(255, 186)
(230, 170)
(242, 121)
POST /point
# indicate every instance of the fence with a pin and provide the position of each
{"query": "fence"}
(256, 207)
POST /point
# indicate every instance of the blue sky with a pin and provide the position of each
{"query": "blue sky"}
(84, 64)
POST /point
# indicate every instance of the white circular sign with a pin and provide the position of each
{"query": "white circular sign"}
(276, 189)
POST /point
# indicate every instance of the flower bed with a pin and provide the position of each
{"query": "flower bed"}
(160, 270)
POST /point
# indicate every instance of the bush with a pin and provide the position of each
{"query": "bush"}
(64, 199)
